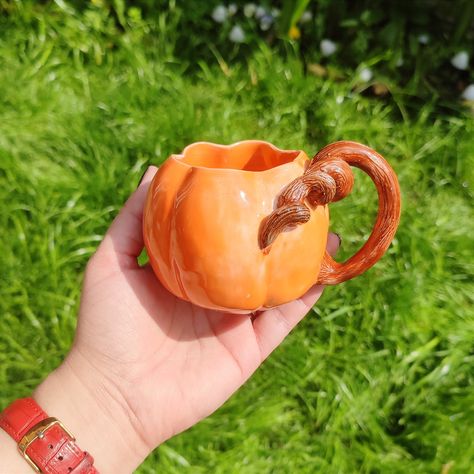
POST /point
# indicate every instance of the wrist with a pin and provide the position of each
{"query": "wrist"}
(94, 412)
(10, 459)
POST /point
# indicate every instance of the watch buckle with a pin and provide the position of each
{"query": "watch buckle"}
(36, 432)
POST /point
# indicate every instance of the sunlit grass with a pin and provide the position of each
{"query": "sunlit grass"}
(378, 378)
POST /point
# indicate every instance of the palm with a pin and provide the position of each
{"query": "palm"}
(160, 350)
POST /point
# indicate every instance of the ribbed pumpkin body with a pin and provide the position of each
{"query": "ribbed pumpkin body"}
(201, 224)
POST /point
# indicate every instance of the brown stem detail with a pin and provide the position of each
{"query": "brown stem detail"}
(281, 219)
(388, 216)
(329, 178)
(340, 171)
(322, 188)
(321, 183)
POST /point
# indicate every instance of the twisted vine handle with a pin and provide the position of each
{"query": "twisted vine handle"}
(328, 178)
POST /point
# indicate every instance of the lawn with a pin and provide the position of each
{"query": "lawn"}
(379, 377)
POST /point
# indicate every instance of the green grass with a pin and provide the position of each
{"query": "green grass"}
(378, 378)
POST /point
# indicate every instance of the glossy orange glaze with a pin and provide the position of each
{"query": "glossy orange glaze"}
(201, 224)
(244, 227)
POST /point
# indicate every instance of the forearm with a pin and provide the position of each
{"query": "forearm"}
(93, 414)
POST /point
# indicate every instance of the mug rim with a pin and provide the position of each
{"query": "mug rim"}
(301, 156)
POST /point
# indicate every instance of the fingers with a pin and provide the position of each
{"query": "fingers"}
(333, 243)
(124, 238)
(272, 326)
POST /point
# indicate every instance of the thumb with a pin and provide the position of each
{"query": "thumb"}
(124, 239)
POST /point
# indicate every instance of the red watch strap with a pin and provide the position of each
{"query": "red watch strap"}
(52, 450)
(20, 416)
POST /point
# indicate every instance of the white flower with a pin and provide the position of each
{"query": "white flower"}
(327, 47)
(260, 11)
(468, 92)
(306, 17)
(339, 99)
(265, 22)
(423, 39)
(365, 74)
(237, 34)
(250, 9)
(460, 60)
(276, 12)
(232, 9)
(220, 14)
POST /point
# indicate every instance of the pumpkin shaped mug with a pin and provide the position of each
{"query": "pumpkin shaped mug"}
(244, 227)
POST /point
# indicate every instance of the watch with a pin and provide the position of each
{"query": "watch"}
(43, 441)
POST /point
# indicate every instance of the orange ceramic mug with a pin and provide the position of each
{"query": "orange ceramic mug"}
(244, 227)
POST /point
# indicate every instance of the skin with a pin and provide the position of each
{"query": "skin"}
(144, 365)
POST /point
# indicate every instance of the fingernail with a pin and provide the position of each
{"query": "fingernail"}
(339, 237)
(141, 177)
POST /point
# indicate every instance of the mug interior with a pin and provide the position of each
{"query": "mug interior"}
(245, 156)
